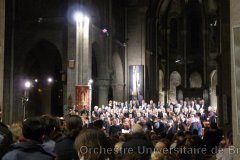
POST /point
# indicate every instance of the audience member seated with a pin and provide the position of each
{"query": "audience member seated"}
(212, 138)
(92, 144)
(6, 139)
(138, 143)
(64, 145)
(225, 145)
(16, 129)
(49, 126)
(30, 148)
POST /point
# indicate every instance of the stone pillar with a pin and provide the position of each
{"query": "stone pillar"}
(79, 54)
(83, 57)
(71, 55)
(224, 70)
(204, 33)
(185, 48)
(168, 64)
(2, 35)
(83, 62)
(103, 88)
(235, 67)
(118, 94)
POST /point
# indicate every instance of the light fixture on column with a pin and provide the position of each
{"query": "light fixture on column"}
(49, 80)
(105, 31)
(78, 16)
(27, 84)
(90, 81)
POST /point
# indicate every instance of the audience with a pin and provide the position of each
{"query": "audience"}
(64, 147)
(6, 139)
(121, 131)
(92, 144)
(30, 147)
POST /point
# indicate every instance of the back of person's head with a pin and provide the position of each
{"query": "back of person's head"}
(118, 146)
(213, 125)
(5, 139)
(74, 125)
(33, 129)
(132, 156)
(98, 124)
(136, 128)
(92, 144)
(166, 142)
(49, 123)
(16, 129)
(157, 156)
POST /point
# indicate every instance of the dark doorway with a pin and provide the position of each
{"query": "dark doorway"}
(43, 68)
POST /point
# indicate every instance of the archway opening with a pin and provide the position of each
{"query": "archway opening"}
(175, 80)
(195, 80)
(43, 67)
(161, 86)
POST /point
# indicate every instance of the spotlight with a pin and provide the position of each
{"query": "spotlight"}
(27, 84)
(90, 81)
(78, 16)
(104, 30)
(35, 80)
(50, 80)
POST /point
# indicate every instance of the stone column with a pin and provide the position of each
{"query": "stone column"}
(71, 55)
(2, 34)
(103, 88)
(185, 48)
(83, 62)
(235, 66)
(168, 64)
(118, 94)
(79, 53)
(204, 33)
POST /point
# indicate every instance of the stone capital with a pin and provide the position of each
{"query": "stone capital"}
(103, 82)
(118, 85)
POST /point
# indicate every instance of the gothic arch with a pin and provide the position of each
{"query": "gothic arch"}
(42, 61)
(175, 80)
(195, 80)
(161, 86)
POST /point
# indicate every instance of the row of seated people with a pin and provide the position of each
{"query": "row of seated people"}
(48, 137)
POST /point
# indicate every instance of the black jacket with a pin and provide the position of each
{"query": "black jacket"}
(5, 139)
(65, 150)
(28, 151)
(138, 144)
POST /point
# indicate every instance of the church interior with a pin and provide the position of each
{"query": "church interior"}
(160, 50)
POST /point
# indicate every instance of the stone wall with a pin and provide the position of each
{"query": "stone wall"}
(235, 61)
(135, 32)
(2, 30)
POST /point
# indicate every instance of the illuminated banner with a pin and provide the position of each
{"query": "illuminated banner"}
(136, 85)
(82, 97)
